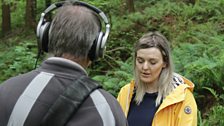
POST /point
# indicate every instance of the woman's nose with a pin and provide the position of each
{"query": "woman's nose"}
(145, 66)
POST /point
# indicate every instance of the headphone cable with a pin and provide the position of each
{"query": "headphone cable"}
(38, 56)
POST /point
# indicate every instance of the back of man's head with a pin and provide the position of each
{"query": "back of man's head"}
(73, 31)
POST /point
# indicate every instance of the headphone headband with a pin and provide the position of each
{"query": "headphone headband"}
(44, 26)
(97, 10)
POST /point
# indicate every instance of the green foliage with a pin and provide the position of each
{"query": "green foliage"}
(197, 60)
(215, 117)
(1, 19)
(17, 13)
(213, 92)
(105, 5)
(116, 78)
(201, 122)
(17, 60)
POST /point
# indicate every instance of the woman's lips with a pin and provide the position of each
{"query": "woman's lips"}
(145, 75)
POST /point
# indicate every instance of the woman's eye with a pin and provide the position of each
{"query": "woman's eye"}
(153, 62)
(140, 60)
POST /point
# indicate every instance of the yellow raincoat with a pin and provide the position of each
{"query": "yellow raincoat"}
(177, 109)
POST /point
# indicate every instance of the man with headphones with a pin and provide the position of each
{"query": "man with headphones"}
(59, 92)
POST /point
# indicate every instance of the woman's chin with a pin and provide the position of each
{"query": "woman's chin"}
(146, 80)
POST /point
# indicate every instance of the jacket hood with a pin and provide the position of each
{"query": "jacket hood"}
(178, 79)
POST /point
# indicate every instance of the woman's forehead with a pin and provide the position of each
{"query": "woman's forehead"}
(152, 52)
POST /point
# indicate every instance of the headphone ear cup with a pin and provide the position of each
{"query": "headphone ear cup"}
(44, 36)
(96, 51)
(92, 51)
(100, 49)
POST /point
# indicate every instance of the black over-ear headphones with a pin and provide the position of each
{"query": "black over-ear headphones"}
(99, 44)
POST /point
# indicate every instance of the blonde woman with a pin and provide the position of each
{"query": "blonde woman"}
(157, 96)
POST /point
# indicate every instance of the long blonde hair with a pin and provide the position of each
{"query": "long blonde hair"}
(165, 86)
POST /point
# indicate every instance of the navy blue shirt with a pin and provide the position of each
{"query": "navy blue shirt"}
(142, 114)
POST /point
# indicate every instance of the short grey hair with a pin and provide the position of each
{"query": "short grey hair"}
(165, 86)
(73, 30)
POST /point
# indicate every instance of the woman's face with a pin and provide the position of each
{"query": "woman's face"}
(149, 64)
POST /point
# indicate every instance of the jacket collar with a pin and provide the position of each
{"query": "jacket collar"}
(69, 62)
(62, 66)
(177, 95)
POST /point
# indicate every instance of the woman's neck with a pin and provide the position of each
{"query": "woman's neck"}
(152, 87)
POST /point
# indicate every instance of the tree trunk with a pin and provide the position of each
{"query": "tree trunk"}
(6, 20)
(130, 6)
(127, 6)
(31, 14)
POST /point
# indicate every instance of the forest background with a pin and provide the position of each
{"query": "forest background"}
(195, 29)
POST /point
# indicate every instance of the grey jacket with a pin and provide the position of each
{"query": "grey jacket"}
(94, 112)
